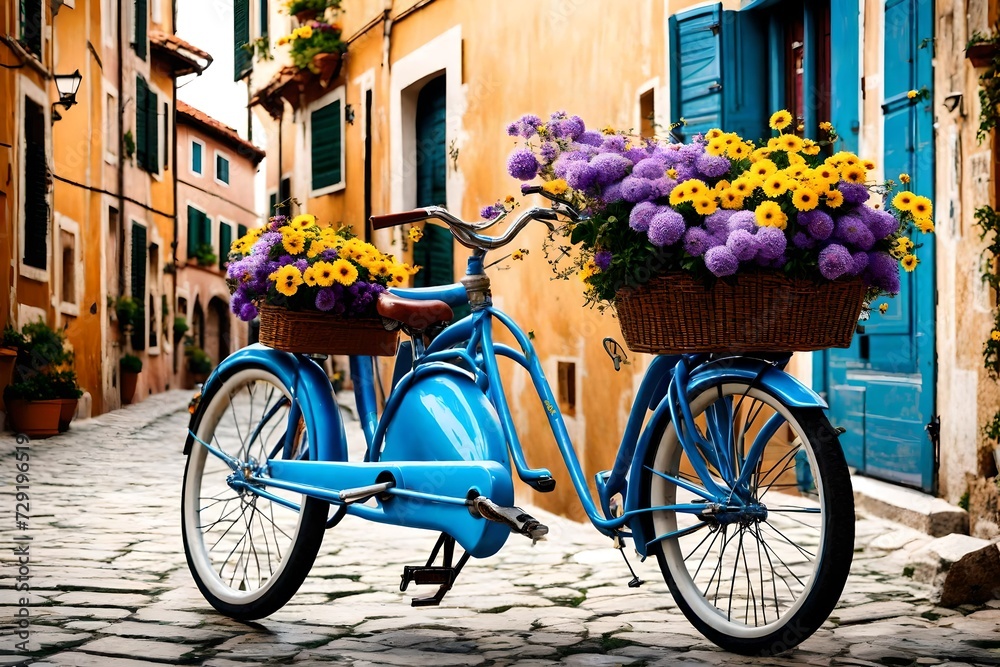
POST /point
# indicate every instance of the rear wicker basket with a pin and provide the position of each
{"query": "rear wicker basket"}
(320, 333)
(759, 312)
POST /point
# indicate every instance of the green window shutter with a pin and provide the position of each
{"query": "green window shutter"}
(36, 201)
(206, 230)
(222, 169)
(196, 158)
(141, 16)
(272, 204)
(285, 193)
(241, 230)
(141, 119)
(325, 146)
(152, 133)
(194, 230)
(139, 252)
(435, 252)
(241, 37)
(225, 241)
(31, 25)
(263, 17)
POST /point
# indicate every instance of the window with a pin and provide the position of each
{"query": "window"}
(152, 311)
(68, 265)
(262, 17)
(36, 200)
(243, 57)
(647, 114)
(278, 201)
(165, 136)
(197, 157)
(138, 275)
(111, 140)
(109, 16)
(225, 242)
(436, 251)
(31, 26)
(326, 145)
(140, 38)
(567, 388)
(199, 231)
(147, 131)
(241, 231)
(221, 169)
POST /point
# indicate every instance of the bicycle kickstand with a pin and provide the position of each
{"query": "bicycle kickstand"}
(443, 575)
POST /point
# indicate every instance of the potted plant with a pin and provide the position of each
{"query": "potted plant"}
(130, 367)
(10, 345)
(205, 255)
(307, 10)
(32, 406)
(126, 312)
(315, 288)
(68, 394)
(180, 328)
(316, 48)
(981, 49)
(678, 233)
(199, 364)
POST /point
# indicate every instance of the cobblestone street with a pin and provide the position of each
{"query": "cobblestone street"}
(110, 586)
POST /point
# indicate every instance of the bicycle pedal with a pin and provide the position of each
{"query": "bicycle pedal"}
(422, 575)
(542, 485)
(515, 518)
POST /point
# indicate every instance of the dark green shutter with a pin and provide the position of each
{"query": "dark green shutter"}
(36, 202)
(263, 18)
(139, 284)
(243, 58)
(225, 241)
(272, 204)
(152, 133)
(31, 25)
(241, 230)
(194, 230)
(222, 168)
(141, 16)
(141, 119)
(196, 158)
(325, 148)
(435, 251)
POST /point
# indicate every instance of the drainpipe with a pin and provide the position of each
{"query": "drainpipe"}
(173, 243)
(121, 154)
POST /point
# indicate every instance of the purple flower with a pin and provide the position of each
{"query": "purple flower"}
(697, 241)
(742, 244)
(602, 259)
(685, 173)
(641, 215)
(852, 230)
(671, 155)
(883, 272)
(666, 227)
(266, 241)
(636, 155)
(612, 193)
(302, 264)
(691, 152)
(572, 127)
(662, 187)
(860, 261)
(636, 189)
(721, 261)
(881, 223)
(803, 241)
(490, 212)
(650, 167)
(237, 301)
(610, 167)
(548, 152)
(834, 261)
(329, 255)
(590, 138)
(819, 223)
(614, 143)
(718, 223)
(580, 175)
(513, 129)
(563, 162)
(277, 221)
(854, 193)
(771, 243)
(522, 164)
(742, 220)
(247, 312)
(712, 166)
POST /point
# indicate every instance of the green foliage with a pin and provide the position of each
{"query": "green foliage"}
(205, 255)
(992, 429)
(43, 347)
(126, 311)
(963, 502)
(35, 387)
(323, 39)
(131, 364)
(180, 326)
(12, 338)
(44, 367)
(64, 384)
(128, 142)
(989, 85)
(318, 6)
(198, 360)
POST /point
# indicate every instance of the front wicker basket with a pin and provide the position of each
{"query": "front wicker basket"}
(758, 312)
(320, 333)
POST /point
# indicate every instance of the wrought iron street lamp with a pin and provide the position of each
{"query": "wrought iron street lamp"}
(67, 85)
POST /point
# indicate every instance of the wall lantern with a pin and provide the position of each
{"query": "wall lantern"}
(67, 85)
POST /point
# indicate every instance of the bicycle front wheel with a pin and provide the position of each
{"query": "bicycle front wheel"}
(248, 554)
(760, 580)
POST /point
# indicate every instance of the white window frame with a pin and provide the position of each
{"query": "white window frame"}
(204, 154)
(37, 95)
(653, 85)
(216, 154)
(155, 12)
(187, 226)
(109, 21)
(338, 93)
(111, 149)
(70, 306)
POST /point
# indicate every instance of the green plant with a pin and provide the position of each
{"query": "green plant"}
(259, 48)
(205, 255)
(180, 326)
(989, 84)
(198, 360)
(64, 384)
(318, 6)
(312, 39)
(43, 348)
(128, 142)
(12, 338)
(131, 364)
(963, 502)
(126, 311)
(36, 387)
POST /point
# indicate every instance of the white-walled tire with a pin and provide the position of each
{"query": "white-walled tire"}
(247, 554)
(756, 586)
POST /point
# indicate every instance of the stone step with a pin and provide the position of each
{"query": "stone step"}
(934, 516)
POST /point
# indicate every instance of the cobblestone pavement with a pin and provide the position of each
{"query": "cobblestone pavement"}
(110, 586)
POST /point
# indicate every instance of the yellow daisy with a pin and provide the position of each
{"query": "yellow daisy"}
(287, 280)
(883, 308)
(780, 120)
(303, 220)
(743, 186)
(415, 234)
(903, 201)
(705, 205)
(924, 225)
(853, 173)
(324, 272)
(775, 185)
(762, 168)
(738, 151)
(805, 199)
(769, 214)
(672, 173)
(790, 143)
(716, 147)
(921, 207)
(826, 126)
(995, 335)
(810, 147)
(679, 194)
(904, 178)
(731, 200)
(556, 187)
(343, 272)
(869, 165)
(834, 198)
(293, 241)
(910, 262)
(827, 173)
(713, 133)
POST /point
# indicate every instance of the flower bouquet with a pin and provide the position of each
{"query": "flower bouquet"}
(723, 243)
(316, 46)
(314, 288)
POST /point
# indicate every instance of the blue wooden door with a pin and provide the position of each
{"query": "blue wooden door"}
(881, 389)
(435, 252)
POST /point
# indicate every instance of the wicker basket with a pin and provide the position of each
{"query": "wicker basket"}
(760, 312)
(319, 333)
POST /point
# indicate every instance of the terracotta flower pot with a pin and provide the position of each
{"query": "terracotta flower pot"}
(8, 358)
(327, 66)
(67, 412)
(981, 54)
(128, 382)
(306, 15)
(35, 419)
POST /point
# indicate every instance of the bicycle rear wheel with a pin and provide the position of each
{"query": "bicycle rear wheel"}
(759, 581)
(247, 553)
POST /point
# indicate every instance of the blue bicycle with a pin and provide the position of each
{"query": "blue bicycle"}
(728, 470)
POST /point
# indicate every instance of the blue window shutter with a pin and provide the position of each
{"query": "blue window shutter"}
(696, 69)
(242, 58)
(325, 146)
(272, 204)
(263, 17)
(744, 74)
(139, 252)
(845, 74)
(196, 157)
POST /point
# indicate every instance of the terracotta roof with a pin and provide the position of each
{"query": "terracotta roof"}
(188, 58)
(188, 115)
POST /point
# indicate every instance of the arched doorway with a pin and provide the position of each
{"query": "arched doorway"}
(217, 339)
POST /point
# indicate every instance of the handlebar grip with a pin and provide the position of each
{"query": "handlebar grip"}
(394, 219)
(531, 189)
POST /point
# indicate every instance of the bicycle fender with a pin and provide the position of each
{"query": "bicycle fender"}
(310, 389)
(783, 386)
